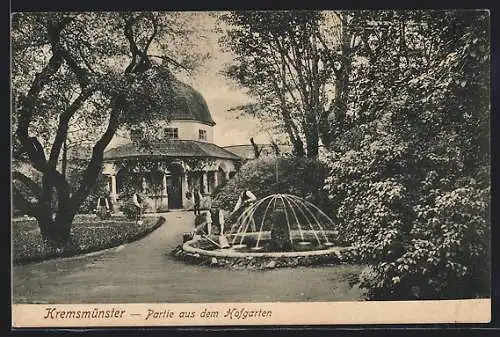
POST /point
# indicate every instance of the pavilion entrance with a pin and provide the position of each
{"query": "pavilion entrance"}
(174, 186)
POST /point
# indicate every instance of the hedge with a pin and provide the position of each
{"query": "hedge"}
(264, 176)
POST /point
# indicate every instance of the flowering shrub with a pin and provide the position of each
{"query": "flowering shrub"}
(86, 236)
(424, 235)
(411, 182)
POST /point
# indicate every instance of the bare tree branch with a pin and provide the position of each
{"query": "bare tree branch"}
(170, 60)
(62, 129)
(28, 182)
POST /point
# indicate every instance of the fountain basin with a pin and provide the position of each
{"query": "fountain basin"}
(279, 230)
(189, 247)
(246, 257)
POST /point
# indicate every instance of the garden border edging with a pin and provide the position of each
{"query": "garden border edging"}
(24, 261)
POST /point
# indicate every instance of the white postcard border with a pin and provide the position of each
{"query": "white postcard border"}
(275, 313)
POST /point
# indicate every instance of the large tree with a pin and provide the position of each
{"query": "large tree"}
(95, 72)
(280, 59)
(311, 71)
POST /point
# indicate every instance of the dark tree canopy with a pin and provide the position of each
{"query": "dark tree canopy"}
(400, 100)
(410, 179)
(83, 76)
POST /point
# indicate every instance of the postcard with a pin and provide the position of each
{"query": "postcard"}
(250, 168)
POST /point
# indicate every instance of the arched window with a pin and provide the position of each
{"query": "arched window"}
(221, 176)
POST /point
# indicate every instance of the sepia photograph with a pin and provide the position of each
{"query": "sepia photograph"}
(164, 163)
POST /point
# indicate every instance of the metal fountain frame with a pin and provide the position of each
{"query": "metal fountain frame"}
(239, 230)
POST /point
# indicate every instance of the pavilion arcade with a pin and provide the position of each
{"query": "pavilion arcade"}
(183, 159)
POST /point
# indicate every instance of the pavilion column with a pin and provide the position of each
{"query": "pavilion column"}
(216, 179)
(113, 187)
(164, 184)
(205, 182)
(185, 187)
(164, 197)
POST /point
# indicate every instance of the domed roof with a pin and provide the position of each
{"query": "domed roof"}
(189, 104)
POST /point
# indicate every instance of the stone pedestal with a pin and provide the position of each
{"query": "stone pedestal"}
(113, 194)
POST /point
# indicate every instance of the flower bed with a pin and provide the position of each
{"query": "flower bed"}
(87, 235)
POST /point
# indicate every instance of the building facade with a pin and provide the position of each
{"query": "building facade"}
(183, 159)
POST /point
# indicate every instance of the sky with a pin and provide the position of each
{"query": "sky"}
(220, 93)
(220, 96)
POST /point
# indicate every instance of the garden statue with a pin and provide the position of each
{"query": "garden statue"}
(245, 200)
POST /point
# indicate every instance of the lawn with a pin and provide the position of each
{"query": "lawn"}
(88, 234)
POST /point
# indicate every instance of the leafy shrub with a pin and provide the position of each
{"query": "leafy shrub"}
(425, 235)
(299, 176)
(129, 209)
(370, 279)
(412, 190)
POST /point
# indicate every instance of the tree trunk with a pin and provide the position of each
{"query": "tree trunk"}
(324, 128)
(46, 224)
(312, 137)
(298, 147)
(63, 223)
(338, 110)
(64, 160)
(56, 231)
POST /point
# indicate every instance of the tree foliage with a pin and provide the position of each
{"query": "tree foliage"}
(411, 183)
(85, 75)
(281, 61)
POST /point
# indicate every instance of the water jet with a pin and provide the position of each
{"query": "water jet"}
(283, 228)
